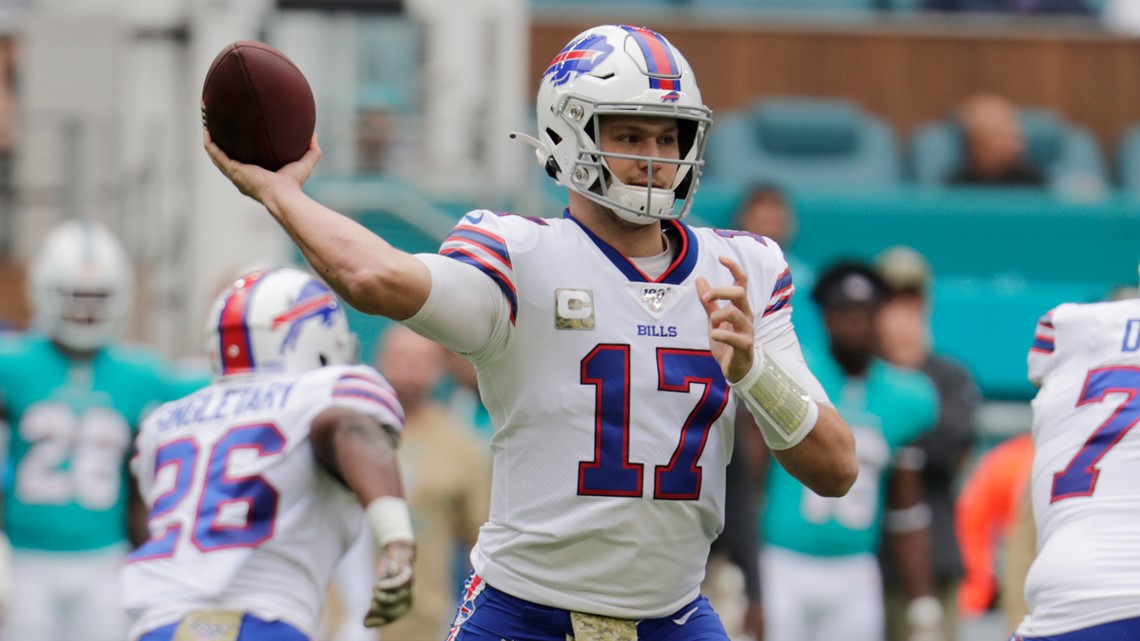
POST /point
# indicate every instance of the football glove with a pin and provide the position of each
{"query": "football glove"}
(392, 594)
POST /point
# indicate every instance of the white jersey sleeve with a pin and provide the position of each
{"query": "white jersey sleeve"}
(363, 389)
(474, 297)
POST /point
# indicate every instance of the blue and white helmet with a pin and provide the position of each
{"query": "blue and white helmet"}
(277, 321)
(620, 70)
(80, 286)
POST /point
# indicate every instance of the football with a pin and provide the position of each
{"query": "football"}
(258, 106)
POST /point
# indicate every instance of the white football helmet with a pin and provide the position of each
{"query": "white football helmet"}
(619, 70)
(277, 321)
(80, 285)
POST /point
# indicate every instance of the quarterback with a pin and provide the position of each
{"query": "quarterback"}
(612, 345)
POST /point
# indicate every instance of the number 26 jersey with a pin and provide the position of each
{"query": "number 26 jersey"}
(242, 516)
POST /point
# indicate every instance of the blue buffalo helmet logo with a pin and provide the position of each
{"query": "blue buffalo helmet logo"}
(577, 58)
(315, 301)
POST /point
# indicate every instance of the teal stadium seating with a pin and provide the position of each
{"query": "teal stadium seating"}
(1062, 150)
(803, 141)
(902, 5)
(1001, 258)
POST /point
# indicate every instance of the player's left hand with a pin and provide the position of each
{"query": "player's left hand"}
(730, 325)
(392, 594)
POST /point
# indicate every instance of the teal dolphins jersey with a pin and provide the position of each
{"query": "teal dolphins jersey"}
(72, 428)
(887, 409)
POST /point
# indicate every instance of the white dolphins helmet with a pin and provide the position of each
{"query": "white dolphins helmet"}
(619, 70)
(80, 286)
(277, 321)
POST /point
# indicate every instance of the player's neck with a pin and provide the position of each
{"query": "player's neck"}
(634, 241)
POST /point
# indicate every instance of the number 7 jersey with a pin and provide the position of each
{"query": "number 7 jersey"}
(613, 421)
(1086, 468)
(242, 516)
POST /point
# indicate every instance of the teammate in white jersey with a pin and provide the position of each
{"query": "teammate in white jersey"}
(611, 344)
(255, 483)
(1085, 582)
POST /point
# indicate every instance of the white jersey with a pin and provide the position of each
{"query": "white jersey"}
(242, 516)
(613, 422)
(1086, 468)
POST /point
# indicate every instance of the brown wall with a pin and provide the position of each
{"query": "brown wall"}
(907, 73)
(13, 303)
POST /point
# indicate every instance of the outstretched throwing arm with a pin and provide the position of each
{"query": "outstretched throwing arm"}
(363, 268)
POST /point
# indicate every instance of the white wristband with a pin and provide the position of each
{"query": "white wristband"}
(390, 521)
(924, 612)
(911, 519)
(783, 410)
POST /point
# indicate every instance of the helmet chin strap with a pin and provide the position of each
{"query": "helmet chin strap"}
(640, 205)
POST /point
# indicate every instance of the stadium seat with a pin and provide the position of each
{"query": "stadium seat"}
(803, 141)
(902, 5)
(994, 254)
(1061, 149)
(1128, 160)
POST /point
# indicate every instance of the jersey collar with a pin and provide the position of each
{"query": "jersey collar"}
(677, 271)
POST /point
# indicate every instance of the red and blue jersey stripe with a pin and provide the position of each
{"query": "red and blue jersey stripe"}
(732, 233)
(664, 72)
(1044, 337)
(356, 386)
(487, 252)
(233, 332)
(781, 293)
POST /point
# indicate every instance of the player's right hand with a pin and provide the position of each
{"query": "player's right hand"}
(257, 182)
(392, 595)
